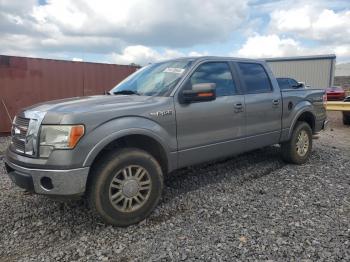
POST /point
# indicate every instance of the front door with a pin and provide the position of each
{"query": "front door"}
(213, 129)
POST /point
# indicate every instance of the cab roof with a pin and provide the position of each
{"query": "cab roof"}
(214, 58)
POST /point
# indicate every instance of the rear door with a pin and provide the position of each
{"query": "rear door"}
(213, 129)
(263, 105)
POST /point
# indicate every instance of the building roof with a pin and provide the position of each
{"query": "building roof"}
(4, 56)
(298, 58)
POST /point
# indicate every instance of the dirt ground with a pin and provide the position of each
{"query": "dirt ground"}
(337, 135)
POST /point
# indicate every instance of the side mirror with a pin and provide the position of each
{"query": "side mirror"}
(199, 93)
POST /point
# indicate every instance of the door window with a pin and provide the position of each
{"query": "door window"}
(255, 78)
(283, 83)
(215, 72)
(293, 83)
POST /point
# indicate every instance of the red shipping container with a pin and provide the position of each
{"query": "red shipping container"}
(26, 81)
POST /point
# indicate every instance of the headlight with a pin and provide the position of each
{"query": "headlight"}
(61, 136)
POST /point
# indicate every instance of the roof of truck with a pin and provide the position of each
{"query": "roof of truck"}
(198, 58)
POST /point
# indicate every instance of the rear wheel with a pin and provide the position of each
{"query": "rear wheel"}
(126, 186)
(297, 150)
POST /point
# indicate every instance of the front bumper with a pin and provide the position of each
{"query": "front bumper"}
(49, 182)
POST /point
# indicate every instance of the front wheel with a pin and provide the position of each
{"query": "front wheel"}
(297, 150)
(125, 187)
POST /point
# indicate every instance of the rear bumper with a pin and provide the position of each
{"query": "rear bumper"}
(49, 182)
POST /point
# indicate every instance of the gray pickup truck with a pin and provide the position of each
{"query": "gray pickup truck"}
(114, 149)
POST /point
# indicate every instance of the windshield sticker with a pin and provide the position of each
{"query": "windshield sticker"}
(174, 70)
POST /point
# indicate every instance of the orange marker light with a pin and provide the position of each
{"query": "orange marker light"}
(205, 94)
(76, 133)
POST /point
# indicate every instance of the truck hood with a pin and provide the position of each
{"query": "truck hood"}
(92, 103)
(93, 111)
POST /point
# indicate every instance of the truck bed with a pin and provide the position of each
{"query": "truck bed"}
(295, 99)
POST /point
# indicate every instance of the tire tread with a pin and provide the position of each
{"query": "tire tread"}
(288, 152)
(99, 167)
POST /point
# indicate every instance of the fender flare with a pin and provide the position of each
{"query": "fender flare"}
(102, 140)
(298, 114)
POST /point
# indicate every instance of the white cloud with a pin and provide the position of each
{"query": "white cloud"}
(136, 54)
(260, 46)
(126, 29)
(143, 55)
(264, 46)
(77, 59)
(135, 30)
(312, 22)
(297, 19)
(174, 23)
(104, 26)
(333, 27)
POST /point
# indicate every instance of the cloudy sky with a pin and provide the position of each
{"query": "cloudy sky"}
(143, 31)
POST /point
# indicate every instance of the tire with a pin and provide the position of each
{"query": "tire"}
(346, 118)
(129, 186)
(290, 152)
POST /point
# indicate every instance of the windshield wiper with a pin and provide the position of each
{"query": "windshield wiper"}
(126, 92)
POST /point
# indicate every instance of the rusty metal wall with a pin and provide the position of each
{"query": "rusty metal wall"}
(26, 81)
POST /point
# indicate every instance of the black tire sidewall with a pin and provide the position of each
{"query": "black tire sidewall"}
(124, 158)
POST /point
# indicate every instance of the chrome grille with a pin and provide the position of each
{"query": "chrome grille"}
(18, 145)
(21, 121)
(19, 133)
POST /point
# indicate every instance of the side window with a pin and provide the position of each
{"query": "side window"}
(255, 78)
(293, 82)
(215, 72)
(283, 83)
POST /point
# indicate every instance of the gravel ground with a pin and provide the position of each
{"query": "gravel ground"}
(4, 142)
(251, 207)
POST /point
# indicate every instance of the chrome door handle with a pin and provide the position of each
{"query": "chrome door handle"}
(276, 102)
(238, 107)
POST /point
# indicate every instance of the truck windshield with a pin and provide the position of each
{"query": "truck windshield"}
(153, 80)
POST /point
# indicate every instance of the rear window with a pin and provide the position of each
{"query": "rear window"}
(255, 78)
(283, 83)
(293, 83)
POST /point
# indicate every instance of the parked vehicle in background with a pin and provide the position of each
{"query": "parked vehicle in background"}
(335, 93)
(288, 83)
(115, 149)
(346, 114)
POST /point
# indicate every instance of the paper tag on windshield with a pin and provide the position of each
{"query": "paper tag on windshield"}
(174, 70)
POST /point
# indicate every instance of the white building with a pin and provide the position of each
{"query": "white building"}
(314, 71)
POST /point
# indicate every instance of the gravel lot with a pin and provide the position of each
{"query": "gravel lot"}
(252, 206)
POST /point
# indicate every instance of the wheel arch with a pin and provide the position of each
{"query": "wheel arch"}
(305, 115)
(136, 138)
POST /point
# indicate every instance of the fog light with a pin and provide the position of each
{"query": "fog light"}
(46, 183)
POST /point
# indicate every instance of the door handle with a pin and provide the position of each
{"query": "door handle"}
(238, 107)
(276, 102)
